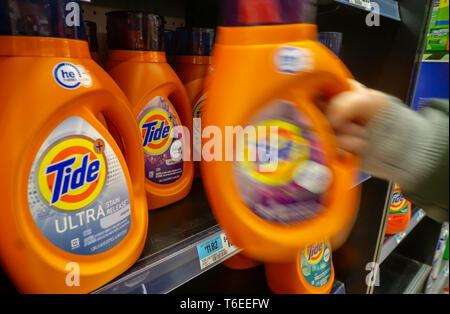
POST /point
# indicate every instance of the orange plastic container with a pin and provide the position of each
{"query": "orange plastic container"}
(74, 211)
(158, 100)
(399, 213)
(271, 75)
(193, 64)
(311, 273)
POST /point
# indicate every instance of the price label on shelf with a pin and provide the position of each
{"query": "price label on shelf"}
(215, 249)
(400, 236)
(365, 4)
(420, 214)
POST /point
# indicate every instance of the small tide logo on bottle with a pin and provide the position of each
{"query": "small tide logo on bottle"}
(72, 172)
(398, 202)
(156, 129)
(314, 253)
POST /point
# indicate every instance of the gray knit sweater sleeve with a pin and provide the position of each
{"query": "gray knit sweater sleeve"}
(412, 149)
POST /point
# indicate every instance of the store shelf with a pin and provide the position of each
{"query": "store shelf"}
(388, 8)
(170, 257)
(391, 242)
(400, 274)
(438, 285)
(222, 280)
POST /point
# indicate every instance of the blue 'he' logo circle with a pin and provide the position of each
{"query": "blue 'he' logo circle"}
(67, 75)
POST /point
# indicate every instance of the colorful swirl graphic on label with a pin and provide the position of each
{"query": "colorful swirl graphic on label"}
(399, 204)
(283, 175)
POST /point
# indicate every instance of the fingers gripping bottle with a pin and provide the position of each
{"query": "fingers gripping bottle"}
(311, 273)
(136, 61)
(296, 189)
(73, 212)
(399, 213)
(192, 64)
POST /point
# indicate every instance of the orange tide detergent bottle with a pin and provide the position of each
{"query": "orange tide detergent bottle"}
(297, 189)
(136, 61)
(399, 213)
(73, 212)
(311, 273)
(192, 64)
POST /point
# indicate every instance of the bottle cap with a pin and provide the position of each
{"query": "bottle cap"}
(134, 30)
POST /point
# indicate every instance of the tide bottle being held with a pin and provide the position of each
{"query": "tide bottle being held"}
(312, 272)
(399, 213)
(192, 64)
(74, 213)
(137, 62)
(292, 188)
(91, 34)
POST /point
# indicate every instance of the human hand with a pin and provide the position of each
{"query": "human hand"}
(349, 113)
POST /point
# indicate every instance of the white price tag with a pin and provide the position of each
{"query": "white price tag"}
(361, 3)
(399, 237)
(419, 215)
(214, 249)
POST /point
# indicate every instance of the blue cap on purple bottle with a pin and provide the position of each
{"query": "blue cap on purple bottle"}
(42, 18)
(267, 12)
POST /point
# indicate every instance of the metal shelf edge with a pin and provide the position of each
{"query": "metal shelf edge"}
(391, 242)
(166, 269)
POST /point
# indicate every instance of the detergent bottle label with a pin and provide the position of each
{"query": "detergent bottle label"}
(163, 146)
(399, 204)
(77, 190)
(316, 264)
(290, 190)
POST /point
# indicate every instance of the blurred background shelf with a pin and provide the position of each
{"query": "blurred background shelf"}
(388, 8)
(392, 241)
(222, 280)
(441, 282)
(400, 274)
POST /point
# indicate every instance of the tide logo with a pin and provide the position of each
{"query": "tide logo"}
(314, 253)
(279, 162)
(72, 173)
(398, 202)
(156, 129)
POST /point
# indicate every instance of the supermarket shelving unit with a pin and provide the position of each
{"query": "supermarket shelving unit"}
(381, 57)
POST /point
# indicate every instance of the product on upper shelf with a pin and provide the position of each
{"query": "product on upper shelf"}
(440, 251)
(285, 185)
(137, 62)
(311, 273)
(193, 64)
(399, 213)
(91, 34)
(74, 213)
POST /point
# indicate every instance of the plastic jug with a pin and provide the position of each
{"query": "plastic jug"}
(269, 70)
(137, 62)
(74, 210)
